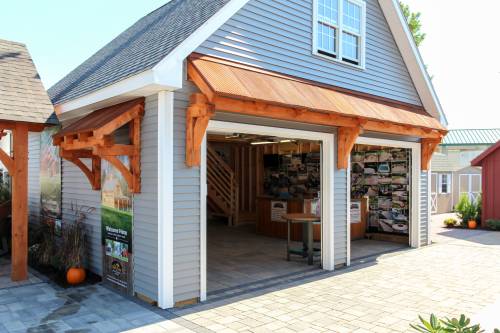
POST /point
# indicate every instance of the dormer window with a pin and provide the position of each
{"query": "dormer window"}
(339, 30)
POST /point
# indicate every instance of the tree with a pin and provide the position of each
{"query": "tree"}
(413, 20)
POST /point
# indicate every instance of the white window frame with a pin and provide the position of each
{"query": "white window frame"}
(340, 29)
(449, 181)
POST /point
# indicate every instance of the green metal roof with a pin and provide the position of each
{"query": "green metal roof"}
(472, 137)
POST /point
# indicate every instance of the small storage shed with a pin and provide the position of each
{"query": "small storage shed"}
(489, 160)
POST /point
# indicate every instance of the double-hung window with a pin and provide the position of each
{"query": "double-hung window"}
(444, 183)
(339, 30)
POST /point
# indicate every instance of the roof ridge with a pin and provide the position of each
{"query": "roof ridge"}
(13, 42)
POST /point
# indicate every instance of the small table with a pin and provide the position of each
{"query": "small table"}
(304, 219)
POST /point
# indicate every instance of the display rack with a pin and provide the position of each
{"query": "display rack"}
(384, 176)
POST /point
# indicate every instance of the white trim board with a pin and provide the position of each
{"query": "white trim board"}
(327, 186)
(415, 182)
(165, 199)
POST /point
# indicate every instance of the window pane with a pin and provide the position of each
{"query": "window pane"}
(326, 38)
(444, 183)
(352, 16)
(328, 11)
(350, 47)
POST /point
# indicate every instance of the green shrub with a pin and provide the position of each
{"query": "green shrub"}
(454, 325)
(450, 222)
(493, 224)
(467, 210)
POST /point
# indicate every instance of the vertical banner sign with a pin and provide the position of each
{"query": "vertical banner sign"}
(50, 180)
(116, 221)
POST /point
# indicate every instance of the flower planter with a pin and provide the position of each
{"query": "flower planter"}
(472, 224)
(75, 275)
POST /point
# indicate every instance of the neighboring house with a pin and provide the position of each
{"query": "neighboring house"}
(489, 161)
(452, 173)
(336, 72)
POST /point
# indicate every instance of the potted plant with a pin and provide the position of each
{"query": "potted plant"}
(73, 245)
(468, 211)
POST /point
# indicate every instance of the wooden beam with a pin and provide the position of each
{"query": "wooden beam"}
(135, 159)
(428, 147)
(7, 161)
(135, 112)
(76, 153)
(200, 82)
(76, 144)
(346, 139)
(198, 115)
(114, 150)
(20, 204)
(32, 127)
(96, 171)
(260, 109)
(407, 130)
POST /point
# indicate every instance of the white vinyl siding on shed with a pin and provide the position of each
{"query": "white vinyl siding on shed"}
(34, 177)
(186, 207)
(424, 208)
(145, 207)
(76, 189)
(277, 35)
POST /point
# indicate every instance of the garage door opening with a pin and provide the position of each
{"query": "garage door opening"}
(261, 191)
(381, 192)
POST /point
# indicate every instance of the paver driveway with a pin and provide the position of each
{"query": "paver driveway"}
(460, 274)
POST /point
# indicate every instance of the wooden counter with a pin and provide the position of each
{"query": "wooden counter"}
(265, 226)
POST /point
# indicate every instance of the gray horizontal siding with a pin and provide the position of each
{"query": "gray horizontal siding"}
(277, 35)
(186, 207)
(424, 208)
(340, 194)
(145, 226)
(76, 189)
(34, 177)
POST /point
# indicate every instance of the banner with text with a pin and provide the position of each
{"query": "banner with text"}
(116, 221)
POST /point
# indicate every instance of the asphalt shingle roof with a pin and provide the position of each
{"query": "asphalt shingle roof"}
(472, 137)
(138, 48)
(22, 95)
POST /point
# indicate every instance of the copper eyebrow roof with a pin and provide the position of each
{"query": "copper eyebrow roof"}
(100, 118)
(236, 80)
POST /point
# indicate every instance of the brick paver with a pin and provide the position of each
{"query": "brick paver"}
(459, 274)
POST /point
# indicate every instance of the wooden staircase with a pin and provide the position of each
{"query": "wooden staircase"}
(222, 188)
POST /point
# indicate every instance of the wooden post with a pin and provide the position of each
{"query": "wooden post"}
(20, 204)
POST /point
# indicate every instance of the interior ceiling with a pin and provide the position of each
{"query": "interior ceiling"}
(249, 138)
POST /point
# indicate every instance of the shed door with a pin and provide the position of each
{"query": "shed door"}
(434, 193)
(470, 185)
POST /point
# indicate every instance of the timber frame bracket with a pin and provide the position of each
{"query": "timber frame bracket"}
(198, 114)
(98, 144)
(428, 147)
(347, 137)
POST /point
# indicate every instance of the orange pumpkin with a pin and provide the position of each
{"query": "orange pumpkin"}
(75, 275)
(472, 224)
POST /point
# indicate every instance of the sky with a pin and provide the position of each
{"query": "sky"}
(462, 48)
